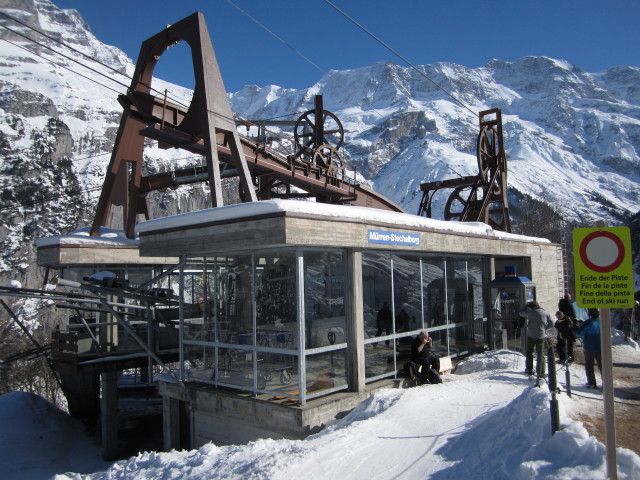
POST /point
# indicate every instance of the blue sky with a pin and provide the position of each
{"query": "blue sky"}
(591, 34)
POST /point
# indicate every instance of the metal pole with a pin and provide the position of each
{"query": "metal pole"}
(150, 342)
(33, 340)
(148, 349)
(19, 323)
(302, 359)
(607, 383)
(553, 386)
(95, 341)
(181, 355)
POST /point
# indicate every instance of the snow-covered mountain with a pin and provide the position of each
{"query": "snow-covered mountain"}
(572, 137)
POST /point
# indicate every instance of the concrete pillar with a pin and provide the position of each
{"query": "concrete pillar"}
(109, 415)
(170, 415)
(109, 332)
(176, 423)
(355, 321)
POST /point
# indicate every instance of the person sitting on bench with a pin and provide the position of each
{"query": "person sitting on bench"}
(422, 355)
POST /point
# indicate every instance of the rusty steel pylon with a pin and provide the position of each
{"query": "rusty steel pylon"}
(207, 117)
(482, 197)
(207, 127)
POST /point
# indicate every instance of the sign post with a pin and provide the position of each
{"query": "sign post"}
(604, 280)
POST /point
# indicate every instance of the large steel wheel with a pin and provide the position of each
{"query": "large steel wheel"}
(458, 202)
(310, 132)
(328, 157)
(489, 155)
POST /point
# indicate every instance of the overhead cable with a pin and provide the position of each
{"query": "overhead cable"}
(179, 101)
(63, 55)
(89, 68)
(61, 66)
(414, 67)
(88, 57)
(297, 52)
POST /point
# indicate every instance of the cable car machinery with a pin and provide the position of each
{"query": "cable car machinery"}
(481, 197)
(207, 127)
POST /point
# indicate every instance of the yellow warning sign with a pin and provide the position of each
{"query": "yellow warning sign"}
(602, 261)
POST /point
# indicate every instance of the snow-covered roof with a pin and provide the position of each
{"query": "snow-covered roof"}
(106, 237)
(344, 212)
(113, 237)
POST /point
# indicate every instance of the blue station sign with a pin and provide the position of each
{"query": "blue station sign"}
(394, 238)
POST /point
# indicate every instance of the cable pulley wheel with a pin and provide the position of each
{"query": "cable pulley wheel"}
(306, 131)
(487, 151)
(489, 156)
(328, 157)
(458, 201)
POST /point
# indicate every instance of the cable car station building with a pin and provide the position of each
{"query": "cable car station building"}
(279, 299)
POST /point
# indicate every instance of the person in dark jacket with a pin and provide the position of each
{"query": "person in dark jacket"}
(402, 321)
(421, 352)
(566, 337)
(384, 321)
(565, 305)
(538, 322)
(590, 332)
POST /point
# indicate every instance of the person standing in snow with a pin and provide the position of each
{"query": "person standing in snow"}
(565, 305)
(566, 337)
(538, 322)
(590, 331)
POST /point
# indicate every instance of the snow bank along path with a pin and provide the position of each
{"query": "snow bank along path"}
(485, 421)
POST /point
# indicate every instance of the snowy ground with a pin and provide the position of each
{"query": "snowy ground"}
(487, 420)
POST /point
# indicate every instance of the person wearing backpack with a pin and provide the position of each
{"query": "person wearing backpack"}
(565, 305)
(590, 333)
(538, 322)
(566, 338)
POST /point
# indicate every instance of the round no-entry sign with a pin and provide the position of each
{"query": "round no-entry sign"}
(602, 251)
(602, 261)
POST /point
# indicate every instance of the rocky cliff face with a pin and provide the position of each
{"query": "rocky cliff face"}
(572, 137)
(58, 122)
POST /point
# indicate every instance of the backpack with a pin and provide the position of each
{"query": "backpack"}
(434, 376)
(413, 370)
(577, 325)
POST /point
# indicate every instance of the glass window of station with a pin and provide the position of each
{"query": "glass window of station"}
(267, 322)
(442, 295)
(274, 322)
